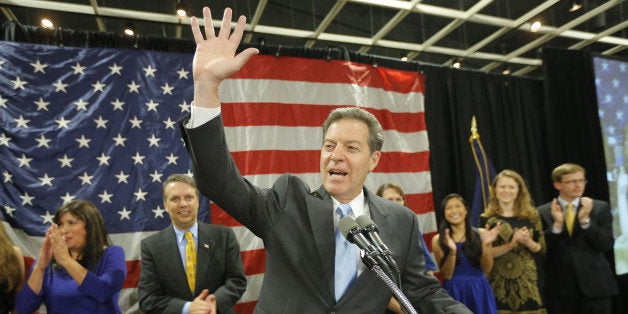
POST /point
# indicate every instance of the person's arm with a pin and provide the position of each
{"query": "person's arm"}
(448, 267)
(27, 300)
(36, 278)
(599, 234)
(488, 236)
(430, 266)
(424, 292)
(152, 296)
(500, 250)
(235, 281)
(104, 285)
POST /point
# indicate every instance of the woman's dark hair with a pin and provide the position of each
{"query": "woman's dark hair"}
(472, 246)
(96, 239)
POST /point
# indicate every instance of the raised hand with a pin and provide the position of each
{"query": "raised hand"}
(45, 253)
(490, 235)
(557, 214)
(451, 244)
(585, 209)
(215, 58)
(59, 246)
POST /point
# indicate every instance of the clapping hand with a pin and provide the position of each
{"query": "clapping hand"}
(490, 235)
(205, 303)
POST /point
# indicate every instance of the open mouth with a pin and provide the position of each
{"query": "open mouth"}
(335, 173)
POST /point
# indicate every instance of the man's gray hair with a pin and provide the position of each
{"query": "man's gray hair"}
(376, 134)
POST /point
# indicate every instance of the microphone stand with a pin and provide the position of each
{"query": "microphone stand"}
(403, 300)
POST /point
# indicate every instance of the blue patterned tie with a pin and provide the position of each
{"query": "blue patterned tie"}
(346, 265)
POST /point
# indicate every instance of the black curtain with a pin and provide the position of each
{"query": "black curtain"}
(571, 113)
(508, 112)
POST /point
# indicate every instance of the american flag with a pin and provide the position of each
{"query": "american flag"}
(100, 124)
(611, 82)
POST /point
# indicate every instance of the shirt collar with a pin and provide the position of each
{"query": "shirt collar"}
(563, 203)
(357, 204)
(181, 232)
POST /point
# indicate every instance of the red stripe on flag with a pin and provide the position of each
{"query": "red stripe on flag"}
(245, 307)
(300, 115)
(132, 274)
(428, 240)
(254, 261)
(307, 161)
(335, 71)
(422, 203)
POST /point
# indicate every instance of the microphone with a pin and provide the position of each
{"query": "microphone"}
(370, 229)
(351, 231)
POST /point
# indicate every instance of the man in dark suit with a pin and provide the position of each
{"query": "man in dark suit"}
(164, 286)
(578, 231)
(297, 225)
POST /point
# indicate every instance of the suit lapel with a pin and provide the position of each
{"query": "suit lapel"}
(204, 251)
(173, 259)
(322, 224)
(380, 215)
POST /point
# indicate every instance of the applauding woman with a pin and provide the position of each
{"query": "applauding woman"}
(518, 248)
(78, 270)
(464, 256)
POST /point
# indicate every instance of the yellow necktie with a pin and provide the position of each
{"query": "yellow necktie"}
(190, 260)
(570, 216)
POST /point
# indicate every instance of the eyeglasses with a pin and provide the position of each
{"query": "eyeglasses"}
(574, 182)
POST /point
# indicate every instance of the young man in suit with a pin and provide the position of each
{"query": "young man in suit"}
(181, 269)
(578, 231)
(298, 226)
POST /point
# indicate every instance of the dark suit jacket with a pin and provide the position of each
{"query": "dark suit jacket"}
(297, 228)
(163, 286)
(579, 261)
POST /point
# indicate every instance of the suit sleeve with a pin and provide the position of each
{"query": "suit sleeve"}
(423, 291)
(151, 294)
(599, 235)
(104, 285)
(235, 281)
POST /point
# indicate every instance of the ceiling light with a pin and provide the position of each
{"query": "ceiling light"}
(575, 5)
(46, 23)
(404, 58)
(535, 26)
(182, 10)
(129, 29)
(506, 70)
(456, 64)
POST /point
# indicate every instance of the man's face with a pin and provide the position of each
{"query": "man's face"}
(181, 202)
(346, 159)
(571, 186)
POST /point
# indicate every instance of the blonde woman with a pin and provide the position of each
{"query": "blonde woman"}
(11, 272)
(514, 277)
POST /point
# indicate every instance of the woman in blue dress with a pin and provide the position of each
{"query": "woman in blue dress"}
(78, 270)
(464, 256)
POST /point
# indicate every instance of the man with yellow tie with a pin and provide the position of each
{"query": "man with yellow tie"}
(189, 267)
(578, 232)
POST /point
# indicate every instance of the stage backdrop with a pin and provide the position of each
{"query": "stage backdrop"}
(100, 124)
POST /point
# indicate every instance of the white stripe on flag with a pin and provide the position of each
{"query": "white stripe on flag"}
(296, 92)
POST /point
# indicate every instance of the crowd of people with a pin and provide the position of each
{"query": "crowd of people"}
(520, 260)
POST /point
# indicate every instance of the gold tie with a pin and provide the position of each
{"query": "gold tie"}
(570, 216)
(190, 260)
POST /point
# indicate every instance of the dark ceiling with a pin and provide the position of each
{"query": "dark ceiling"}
(486, 35)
